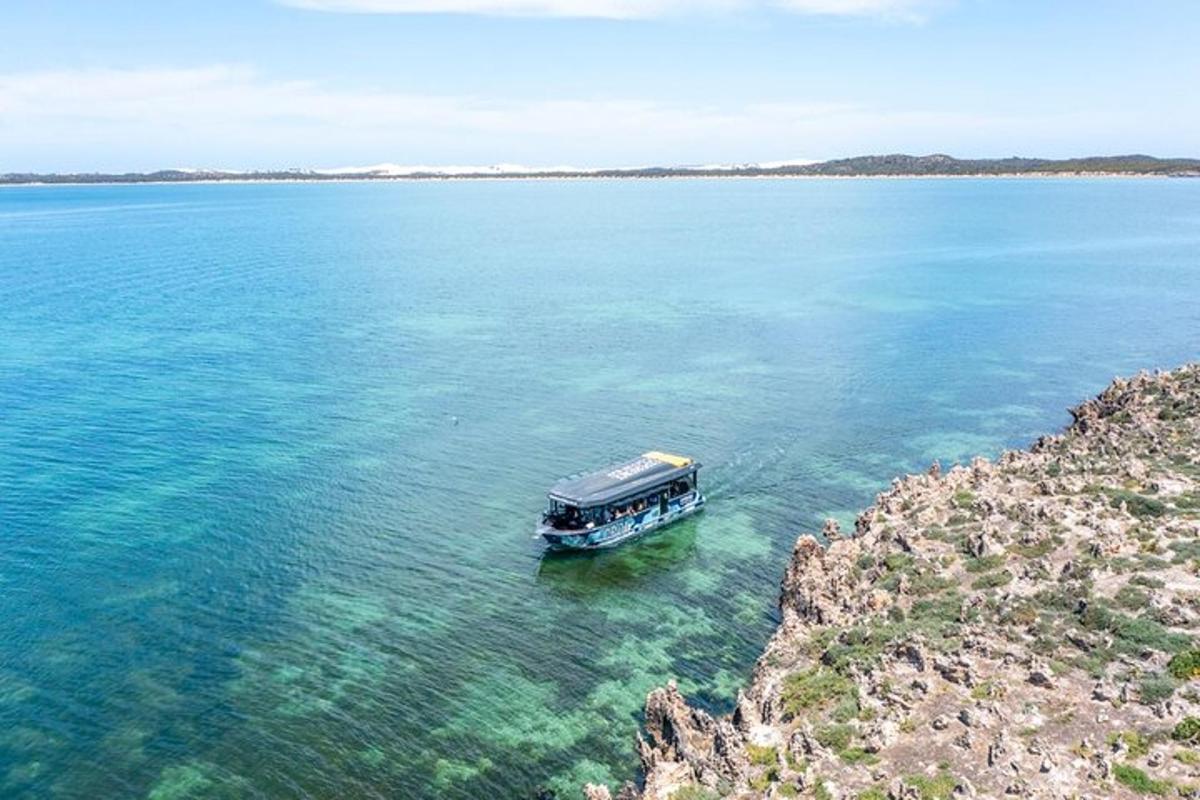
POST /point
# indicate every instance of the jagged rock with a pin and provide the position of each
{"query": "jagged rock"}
(677, 731)
(730, 761)
(593, 792)
(913, 654)
(746, 713)
(803, 744)
(882, 735)
(629, 791)
(705, 749)
(956, 592)
(813, 586)
(1079, 640)
(997, 750)
(956, 670)
(1041, 675)
(980, 544)
(1101, 768)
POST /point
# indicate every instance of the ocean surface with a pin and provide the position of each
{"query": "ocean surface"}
(271, 455)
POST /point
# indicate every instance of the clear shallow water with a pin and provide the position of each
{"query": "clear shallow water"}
(270, 454)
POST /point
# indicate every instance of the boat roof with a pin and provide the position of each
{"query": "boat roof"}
(620, 480)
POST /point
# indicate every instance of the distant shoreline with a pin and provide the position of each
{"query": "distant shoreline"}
(896, 166)
(587, 177)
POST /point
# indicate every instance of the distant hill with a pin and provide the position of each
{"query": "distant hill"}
(895, 165)
(939, 164)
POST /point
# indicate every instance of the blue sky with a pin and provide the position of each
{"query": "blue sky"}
(324, 83)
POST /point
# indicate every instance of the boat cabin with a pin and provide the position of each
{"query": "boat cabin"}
(654, 479)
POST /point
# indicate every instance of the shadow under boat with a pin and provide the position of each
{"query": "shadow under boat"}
(581, 571)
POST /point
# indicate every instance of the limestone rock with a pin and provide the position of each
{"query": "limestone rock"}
(593, 792)
(922, 644)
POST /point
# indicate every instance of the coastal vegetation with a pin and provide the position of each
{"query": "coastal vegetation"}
(894, 165)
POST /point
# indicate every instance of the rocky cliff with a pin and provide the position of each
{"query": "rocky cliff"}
(1022, 628)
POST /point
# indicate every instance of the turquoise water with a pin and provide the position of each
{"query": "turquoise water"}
(270, 455)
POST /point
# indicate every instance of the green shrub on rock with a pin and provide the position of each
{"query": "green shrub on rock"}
(939, 787)
(1136, 745)
(763, 756)
(815, 688)
(1185, 665)
(992, 580)
(1155, 688)
(1188, 730)
(963, 498)
(835, 737)
(694, 793)
(1131, 598)
(985, 563)
(1137, 504)
(1132, 634)
(1139, 781)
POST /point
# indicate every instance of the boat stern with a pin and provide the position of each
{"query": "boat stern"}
(563, 539)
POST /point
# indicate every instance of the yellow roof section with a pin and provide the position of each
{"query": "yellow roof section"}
(667, 458)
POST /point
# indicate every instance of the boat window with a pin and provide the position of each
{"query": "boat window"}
(683, 485)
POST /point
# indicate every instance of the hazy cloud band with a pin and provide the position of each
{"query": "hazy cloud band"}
(622, 9)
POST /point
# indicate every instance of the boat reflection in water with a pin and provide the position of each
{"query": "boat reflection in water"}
(620, 503)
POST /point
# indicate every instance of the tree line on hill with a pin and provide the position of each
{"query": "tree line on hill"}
(895, 165)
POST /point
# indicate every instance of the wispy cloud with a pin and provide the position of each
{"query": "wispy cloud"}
(908, 10)
(233, 96)
(232, 116)
(623, 9)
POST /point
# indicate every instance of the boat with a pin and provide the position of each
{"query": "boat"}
(627, 500)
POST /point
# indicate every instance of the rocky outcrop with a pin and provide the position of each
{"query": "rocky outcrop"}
(685, 743)
(1018, 628)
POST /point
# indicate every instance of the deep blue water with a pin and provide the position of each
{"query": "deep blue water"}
(270, 455)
